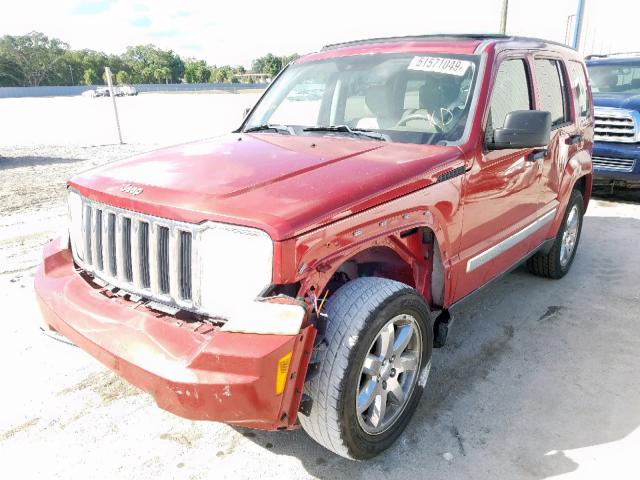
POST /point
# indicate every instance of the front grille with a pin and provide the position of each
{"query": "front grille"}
(617, 164)
(98, 238)
(616, 125)
(143, 255)
(163, 259)
(185, 264)
(145, 279)
(126, 249)
(111, 239)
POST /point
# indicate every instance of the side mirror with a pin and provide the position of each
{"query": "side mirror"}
(522, 129)
(245, 112)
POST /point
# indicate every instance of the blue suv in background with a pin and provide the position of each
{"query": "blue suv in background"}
(615, 82)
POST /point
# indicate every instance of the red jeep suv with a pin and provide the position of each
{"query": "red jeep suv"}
(300, 270)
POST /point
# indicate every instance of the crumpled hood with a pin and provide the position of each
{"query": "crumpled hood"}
(617, 100)
(282, 184)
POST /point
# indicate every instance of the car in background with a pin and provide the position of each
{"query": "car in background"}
(615, 82)
(98, 92)
(102, 92)
(120, 91)
(126, 90)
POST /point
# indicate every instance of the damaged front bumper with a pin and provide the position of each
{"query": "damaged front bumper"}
(192, 369)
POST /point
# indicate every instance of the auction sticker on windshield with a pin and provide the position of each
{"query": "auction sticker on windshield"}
(450, 66)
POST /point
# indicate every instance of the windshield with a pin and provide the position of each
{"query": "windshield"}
(615, 78)
(397, 97)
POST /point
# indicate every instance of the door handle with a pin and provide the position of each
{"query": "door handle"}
(537, 154)
(574, 139)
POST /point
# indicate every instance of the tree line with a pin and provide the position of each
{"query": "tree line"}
(36, 59)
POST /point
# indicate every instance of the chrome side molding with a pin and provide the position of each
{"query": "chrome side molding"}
(509, 242)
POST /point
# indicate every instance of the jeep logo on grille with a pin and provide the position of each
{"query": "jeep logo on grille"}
(128, 188)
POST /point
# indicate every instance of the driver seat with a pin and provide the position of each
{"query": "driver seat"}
(379, 102)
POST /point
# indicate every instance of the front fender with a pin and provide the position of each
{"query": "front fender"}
(318, 254)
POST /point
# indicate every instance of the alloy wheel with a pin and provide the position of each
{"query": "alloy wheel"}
(570, 236)
(389, 374)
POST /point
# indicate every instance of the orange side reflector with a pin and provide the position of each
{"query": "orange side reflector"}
(281, 373)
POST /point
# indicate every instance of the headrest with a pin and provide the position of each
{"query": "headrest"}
(378, 100)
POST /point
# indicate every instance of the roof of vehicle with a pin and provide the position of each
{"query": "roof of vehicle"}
(477, 37)
(450, 43)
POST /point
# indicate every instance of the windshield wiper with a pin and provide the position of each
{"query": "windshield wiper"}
(270, 126)
(346, 129)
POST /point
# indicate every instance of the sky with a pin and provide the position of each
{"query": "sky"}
(235, 32)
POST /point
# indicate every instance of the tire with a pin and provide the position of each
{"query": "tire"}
(357, 314)
(557, 262)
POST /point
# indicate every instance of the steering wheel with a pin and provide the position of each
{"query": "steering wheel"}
(420, 116)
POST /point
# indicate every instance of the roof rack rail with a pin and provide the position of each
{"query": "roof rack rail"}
(616, 54)
(461, 36)
(405, 38)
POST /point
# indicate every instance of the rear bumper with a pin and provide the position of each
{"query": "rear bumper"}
(607, 176)
(191, 369)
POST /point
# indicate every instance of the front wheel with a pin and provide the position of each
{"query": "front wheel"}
(369, 379)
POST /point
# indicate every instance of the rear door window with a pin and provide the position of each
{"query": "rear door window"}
(511, 92)
(552, 90)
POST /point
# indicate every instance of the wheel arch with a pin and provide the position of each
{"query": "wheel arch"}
(584, 185)
(578, 174)
(412, 256)
(410, 225)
